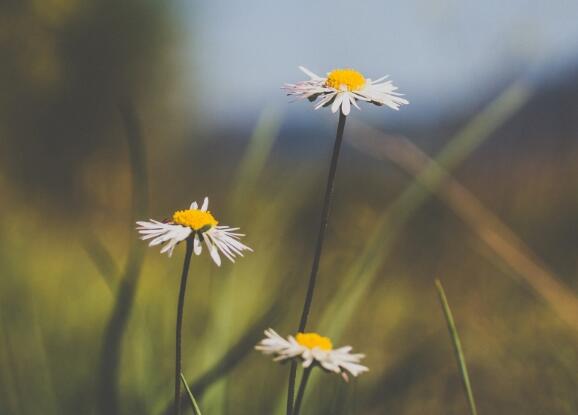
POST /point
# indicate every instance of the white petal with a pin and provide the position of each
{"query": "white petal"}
(325, 100)
(376, 81)
(223, 239)
(194, 206)
(345, 106)
(197, 247)
(163, 232)
(383, 94)
(309, 73)
(205, 204)
(354, 102)
(213, 251)
(337, 103)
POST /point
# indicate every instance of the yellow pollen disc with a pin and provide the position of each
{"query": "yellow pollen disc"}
(312, 340)
(349, 78)
(195, 219)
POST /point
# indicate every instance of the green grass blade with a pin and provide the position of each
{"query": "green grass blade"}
(256, 155)
(457, 347)
(110, 356)
(194, 404)
(102, 260)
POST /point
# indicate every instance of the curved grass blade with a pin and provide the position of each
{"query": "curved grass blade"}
(108, 388)
(457, 347)
(256, 155)
(102, 260)
(194, 404)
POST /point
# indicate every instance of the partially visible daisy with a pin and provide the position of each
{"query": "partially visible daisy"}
(311, 348)
(198, 224)
(342, 88)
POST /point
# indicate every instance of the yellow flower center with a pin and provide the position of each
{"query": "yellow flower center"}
(348, 78)
(312, 340)
(195, 219)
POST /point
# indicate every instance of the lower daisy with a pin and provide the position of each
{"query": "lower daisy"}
(199, 224)
(342, 88)
(311, 348)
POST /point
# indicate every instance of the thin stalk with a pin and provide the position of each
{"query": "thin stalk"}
(457, 347)
(318, 251)
(291, 387)
(323, 224)
(301, 391)
(194, 404)
(180, 306)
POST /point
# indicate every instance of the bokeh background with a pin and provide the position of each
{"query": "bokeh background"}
(116, 110)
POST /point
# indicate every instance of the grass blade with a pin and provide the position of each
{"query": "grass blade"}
(194, 404)
(457, 347)
(102, 259)
(110, 357)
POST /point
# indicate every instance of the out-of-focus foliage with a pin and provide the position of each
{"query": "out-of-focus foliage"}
(65, 66)
(65, 181)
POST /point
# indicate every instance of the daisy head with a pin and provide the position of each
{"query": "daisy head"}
(198, 224)
(342, 88)
(312, 348)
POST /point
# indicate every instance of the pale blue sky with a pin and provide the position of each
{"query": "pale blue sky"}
(436, 51)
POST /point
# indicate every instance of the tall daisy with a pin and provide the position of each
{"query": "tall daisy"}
(340, 89)
(311, 350)
(194, 226)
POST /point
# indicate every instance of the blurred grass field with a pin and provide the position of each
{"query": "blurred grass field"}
(389, 238)
(101, 123)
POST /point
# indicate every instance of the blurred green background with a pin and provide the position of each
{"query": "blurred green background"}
(112, 111)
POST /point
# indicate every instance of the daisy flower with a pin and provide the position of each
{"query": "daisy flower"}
(198, 224)
(311, 348)
(342, 88)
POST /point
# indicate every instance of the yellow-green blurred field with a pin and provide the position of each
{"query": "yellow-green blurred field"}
(87, 311)
(389, 238)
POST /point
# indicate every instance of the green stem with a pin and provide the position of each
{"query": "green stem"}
(301, 391)
(318, 251)
(457, 347)
(180, 306)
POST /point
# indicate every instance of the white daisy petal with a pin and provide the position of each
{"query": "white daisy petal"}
(378, 80)
(277, 345)
(345, 106)
(163, 232)
(197, 247)
(205, 204)
(337, 103)
(221, 247)
(309, 73)
(325, 100)
(354, 102)
(226, 241)
(383, 94)
(213, 251)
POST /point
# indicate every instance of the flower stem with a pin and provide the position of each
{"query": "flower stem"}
(302, 387)
(180, 306)
(318, 251)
